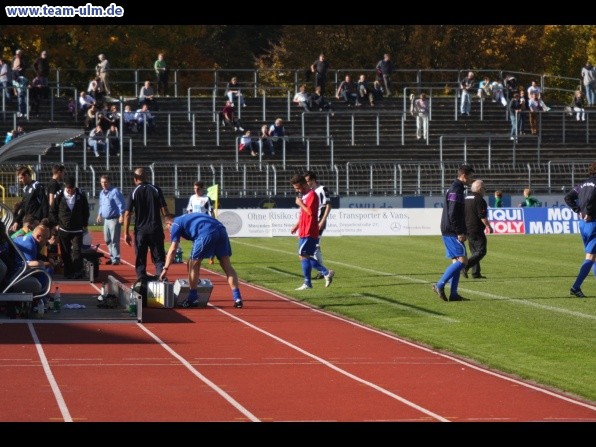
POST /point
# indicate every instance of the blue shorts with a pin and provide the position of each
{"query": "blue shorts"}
(215, 243)
(307, 246)
(454, 248)
(588, 232)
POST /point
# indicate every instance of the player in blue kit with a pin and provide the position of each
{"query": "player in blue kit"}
(210, 239)
(582, 200)
(453, 229)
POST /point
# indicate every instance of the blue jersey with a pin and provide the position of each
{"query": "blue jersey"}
(28, 246)
(191, 226)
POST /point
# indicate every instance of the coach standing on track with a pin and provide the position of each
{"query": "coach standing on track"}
(149, 205)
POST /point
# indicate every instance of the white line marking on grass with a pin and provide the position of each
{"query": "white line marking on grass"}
(422, 281)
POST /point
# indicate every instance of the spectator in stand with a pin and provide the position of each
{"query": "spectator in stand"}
(42, 67)
(102, 69)
(421, 111)
(97, 140)
(265, 140)
(93, 89)
(348, 91)
(103, 120)
(578, 105)
(113, 139)
(113, 115)
(128, 116)
(377, 91)
(21, 85)
(86, 101)
(9, 136)
(364, 93)
(384, 71)
(36, 94)
(143, 116)
(320, 68)
(510, 84)
(515, 109)
(146, 95)
(524, 104)
(588, 75)
(5, 78)
(535, 106)
(161, 73)
(246, 144)
(318, 101)
(233, 92)
(484, 90)
(534, 88)
(277, 134)
(19, 64)
(91, 117)
(466, 85)
(226, 116)
(496, 89)
(302, 98)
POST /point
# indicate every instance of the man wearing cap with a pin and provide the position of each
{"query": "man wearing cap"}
(453, 229)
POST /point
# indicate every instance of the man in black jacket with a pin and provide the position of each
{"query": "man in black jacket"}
(476, 223)
(35, 199)
(70, 210)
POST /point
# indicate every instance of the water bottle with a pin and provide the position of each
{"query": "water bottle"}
(57, 300)
(178, 258)
(40, 308)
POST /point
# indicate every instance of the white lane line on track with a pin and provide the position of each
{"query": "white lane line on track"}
(200, 376)
(50, 376)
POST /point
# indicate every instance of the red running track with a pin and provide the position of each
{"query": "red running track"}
(274, 360)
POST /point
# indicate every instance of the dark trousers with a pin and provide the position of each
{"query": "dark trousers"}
(320, 80)
(477, 243)
(162, 83)
(153, 243)
(70, 249)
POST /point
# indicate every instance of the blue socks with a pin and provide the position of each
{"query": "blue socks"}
(452, 271)
(584, 270)
(315, 264)
(236, 294)
(306, 270)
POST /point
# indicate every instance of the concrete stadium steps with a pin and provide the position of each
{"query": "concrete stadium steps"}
(464, 139)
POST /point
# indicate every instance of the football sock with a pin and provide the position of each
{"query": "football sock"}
(584, 270)
(306, 270)
(454, 268)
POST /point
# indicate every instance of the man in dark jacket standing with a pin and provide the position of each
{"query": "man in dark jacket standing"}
(35, 199)
(384, 70)
(476, 223)
(148, 204)
(453, 229)
(70, 210)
